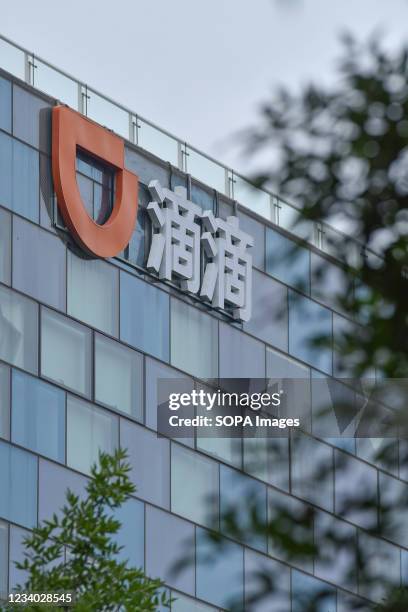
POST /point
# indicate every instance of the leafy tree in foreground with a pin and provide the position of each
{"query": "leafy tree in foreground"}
(342, 157)
(76, 551)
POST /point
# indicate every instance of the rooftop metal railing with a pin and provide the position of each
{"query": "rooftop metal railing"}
(130, 125)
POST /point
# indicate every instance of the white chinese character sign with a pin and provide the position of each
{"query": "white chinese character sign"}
(181, 230)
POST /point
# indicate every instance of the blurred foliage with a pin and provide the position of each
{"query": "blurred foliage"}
(342, 157)
(76, 551)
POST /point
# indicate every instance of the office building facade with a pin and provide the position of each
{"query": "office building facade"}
(83, 342)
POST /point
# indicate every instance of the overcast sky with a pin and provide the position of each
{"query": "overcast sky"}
(199, 68)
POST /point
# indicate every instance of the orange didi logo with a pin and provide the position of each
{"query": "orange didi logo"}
(72, 131)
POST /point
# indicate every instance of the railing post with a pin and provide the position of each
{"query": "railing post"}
(29, 67)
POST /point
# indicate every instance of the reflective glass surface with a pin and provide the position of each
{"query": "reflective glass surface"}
(131, 533)
(118, 377)
(312, 471)
(5, 104)
(18, 330)
(144, 316)
(3, 559)
(19, 177)
(53, 482)
(93, 293)
(4, 401)
(287, 261)
(242, 497)
(217, 567)
(240, 355)
(39, 264)
(194, 340)
(312, 342)
(18, 483)
(269, 319)
(71, 367)
(38, 416)
(199, 500)
(31, 119)
(90, 430)
(5, 247)
(267, 583)
(169, 540)
(149, 457)
(307, 594)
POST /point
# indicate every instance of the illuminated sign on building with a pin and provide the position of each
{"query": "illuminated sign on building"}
(207, 256)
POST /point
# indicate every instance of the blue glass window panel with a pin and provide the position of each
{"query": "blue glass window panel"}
(18, 485)
(295, 514)
(3, 560)
(5, 104)
(219, 571)
(26, 181)
(267, 583)
(17, 548)
(393, 512)
(19, 177)
(269, 320)
(4, 402)
(308, 321)
(90, 430)
(329, 282)
(103, 203)
(5, 247)
(240, 497)
(135, 251)
(199, 501)
(89, 166)
(145, 168)
(85, 186)
(312, 470)
(293, 378)
(203, 197)
(257, 230)
(154, 372)
(131, 534)
(92, 293)
(144, 316)
(18, 330)
(169, 540)
(379, 567)
(31, 119)
(53, 483)
(118, 377)
(404, 568)
(347, 602)
(356, 492)
(181, 603)
(267, 458)
(240, 355)
(47, 195)
(336, 560)
(194, 340)
(39, 263)
(149, 457)
(335, 426)
(72, 366)
(6, 166)
(38, 416)
(287, 261)
(308, 593)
